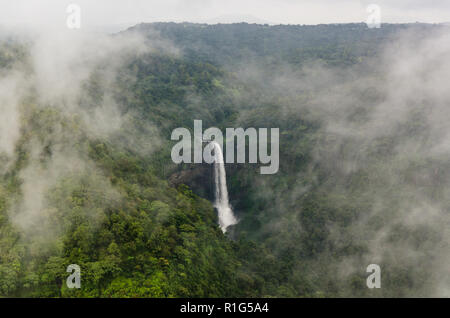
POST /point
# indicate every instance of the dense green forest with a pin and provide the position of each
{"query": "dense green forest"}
(359, 170)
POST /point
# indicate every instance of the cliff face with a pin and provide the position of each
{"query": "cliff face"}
(199, 177)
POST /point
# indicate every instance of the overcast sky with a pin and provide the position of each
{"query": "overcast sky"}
(130, 12)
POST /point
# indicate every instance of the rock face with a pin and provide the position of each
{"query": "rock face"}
(199, 177)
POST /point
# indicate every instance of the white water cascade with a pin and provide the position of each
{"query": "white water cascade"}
(226, 216)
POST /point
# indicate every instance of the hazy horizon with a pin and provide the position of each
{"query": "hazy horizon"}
(114, 15)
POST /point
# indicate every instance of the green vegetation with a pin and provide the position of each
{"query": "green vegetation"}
(135, 233)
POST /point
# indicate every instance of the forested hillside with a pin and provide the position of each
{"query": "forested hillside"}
(87, 177)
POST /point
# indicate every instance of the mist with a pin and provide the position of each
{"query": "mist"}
(59, 94)
(380, 158)
(364, 153)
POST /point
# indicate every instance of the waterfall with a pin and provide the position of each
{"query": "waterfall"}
(226, 216)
